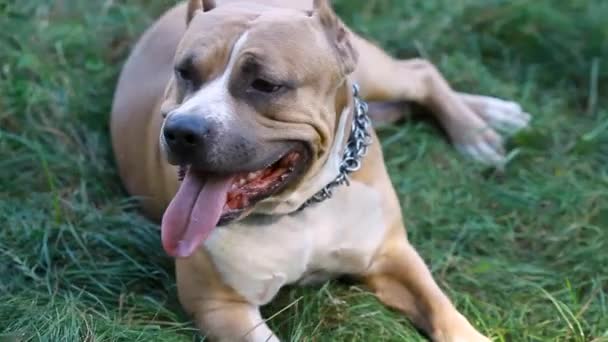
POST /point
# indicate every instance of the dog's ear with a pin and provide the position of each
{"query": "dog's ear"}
(337, 33)
(198, 5)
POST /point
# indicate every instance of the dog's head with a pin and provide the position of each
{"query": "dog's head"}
(252, 110)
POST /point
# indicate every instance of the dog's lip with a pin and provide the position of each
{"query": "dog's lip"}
(299, 168)
(250, 166)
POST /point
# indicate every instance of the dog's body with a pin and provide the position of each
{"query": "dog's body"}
(243, 263)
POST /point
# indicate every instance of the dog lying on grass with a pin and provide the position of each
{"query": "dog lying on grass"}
(259, 107)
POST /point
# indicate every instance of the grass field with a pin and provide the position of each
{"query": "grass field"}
(524, 253)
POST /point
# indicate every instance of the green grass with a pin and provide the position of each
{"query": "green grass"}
(524, 253)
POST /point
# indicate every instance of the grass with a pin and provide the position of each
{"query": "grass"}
(522, 253)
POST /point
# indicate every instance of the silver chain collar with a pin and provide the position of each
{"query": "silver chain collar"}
(356, 148)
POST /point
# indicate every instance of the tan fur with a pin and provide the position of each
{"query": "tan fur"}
(360, 231)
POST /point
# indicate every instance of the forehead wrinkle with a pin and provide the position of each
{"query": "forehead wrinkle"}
(282, 14)
(235, 50)
(293, 49)
(223, 26)
(214, 49)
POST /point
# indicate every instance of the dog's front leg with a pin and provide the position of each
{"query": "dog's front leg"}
(220, 312)
(401, 280)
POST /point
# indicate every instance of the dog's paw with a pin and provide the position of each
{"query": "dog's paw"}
(506, 117)
(481, 139)
(466, 334)
(483, 145)
(477, 338)
(458, 330)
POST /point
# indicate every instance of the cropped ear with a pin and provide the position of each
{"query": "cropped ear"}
(338, 35)
(198, 5)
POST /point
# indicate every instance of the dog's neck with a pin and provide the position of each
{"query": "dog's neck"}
(350, 142)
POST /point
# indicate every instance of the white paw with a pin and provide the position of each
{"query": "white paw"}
(504, 116)
(483, 153)
(483, 145)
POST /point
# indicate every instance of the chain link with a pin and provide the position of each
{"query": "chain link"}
(356, 148)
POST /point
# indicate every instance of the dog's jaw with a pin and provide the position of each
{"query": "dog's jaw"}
(293, 201)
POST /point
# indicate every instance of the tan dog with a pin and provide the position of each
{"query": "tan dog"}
(258, 108)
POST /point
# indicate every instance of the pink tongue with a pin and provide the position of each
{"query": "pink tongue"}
(193, 213)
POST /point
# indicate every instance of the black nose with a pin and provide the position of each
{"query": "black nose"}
(184, 133)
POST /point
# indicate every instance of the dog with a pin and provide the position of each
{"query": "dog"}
(243, 128)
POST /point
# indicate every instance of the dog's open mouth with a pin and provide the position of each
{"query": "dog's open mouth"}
(248, 188)
(206, 200)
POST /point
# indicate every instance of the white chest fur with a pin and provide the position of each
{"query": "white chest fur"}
(338, 236)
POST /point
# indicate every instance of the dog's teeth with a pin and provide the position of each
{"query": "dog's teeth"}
(251, 176)
(242, 182)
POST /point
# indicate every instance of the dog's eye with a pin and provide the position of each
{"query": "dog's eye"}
(185, 74)
(265, 86)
